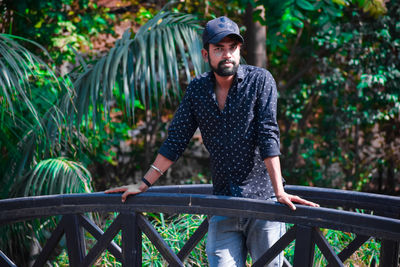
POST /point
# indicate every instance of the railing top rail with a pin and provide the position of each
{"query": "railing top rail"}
(12, 210)
(383, 204)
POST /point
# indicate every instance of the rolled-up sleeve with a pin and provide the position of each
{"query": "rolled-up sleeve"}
(181, 129)
(267, 126)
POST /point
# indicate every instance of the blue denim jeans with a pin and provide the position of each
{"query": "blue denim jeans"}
(230, 239)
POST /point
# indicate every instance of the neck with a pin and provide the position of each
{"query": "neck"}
(224, 82)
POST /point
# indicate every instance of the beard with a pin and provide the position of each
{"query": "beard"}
(223, 70)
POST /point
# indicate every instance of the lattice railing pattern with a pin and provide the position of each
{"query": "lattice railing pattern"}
(131, 223)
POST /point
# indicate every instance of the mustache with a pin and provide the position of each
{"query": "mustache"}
(227, 61)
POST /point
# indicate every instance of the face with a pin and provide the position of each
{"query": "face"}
(223, 57)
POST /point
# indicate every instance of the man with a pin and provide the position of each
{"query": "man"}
(235, 108)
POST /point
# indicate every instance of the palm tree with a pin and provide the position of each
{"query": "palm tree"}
(42, 114)
(146, 69)
(31, 122)
(30, 130)
(143, 67)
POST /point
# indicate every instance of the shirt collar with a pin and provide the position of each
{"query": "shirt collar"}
(240, 73)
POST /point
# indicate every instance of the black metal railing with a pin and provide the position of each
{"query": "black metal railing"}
(338, 211)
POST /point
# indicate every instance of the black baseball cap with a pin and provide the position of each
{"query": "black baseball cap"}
(219, 28)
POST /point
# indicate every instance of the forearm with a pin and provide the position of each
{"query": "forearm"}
(152, 175)
(274, 170)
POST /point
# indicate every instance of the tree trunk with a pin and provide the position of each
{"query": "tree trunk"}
(255, 38)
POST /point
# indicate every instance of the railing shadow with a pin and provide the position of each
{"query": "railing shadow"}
(337, 212)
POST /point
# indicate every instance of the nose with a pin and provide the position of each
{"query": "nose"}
(227, 53)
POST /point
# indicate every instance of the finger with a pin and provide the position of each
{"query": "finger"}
(309, 203)
(116, 190)
(291, 205)
(304, 202)
(288, 202)
(125, 195)
(131, 190)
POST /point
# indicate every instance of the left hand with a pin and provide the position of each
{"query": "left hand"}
(288, 199)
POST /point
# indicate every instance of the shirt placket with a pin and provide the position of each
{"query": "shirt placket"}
(226, 116)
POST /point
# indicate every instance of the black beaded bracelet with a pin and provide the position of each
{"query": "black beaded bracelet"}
(146, 182)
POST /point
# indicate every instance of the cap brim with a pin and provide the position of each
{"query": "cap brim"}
(218, 37)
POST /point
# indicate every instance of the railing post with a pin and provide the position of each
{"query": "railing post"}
(389, 253)
(131, 241)
(305, 247)
(75, 240)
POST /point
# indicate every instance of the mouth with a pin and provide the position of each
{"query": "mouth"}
(227, 63)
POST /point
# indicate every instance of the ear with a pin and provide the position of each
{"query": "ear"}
(204, 53)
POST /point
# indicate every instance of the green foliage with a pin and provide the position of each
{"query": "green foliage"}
(142, 68)
(30, 121)
(141, 73)
(58, 24)
(366, 255)
(32, 128)
(338, 80)
(20, 68)
(287, 19)
(175, 230)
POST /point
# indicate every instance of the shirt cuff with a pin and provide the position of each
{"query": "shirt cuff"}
(168, 153)
(269, 150)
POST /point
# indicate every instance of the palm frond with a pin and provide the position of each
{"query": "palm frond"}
(50, 176)
(25, 143)
(163, 51)
(54, 176)
(18, 68)
(33, 131)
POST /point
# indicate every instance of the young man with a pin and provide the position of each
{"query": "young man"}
(235, 108)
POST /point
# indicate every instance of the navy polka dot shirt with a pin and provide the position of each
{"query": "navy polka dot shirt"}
(238, 138)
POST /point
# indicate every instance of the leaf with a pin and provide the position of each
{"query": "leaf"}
(298, 14)
(298, 23)
(341, 2)
(334, 12)
(304, 4)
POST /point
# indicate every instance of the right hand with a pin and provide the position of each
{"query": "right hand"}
(131, 189)
(288, 199)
